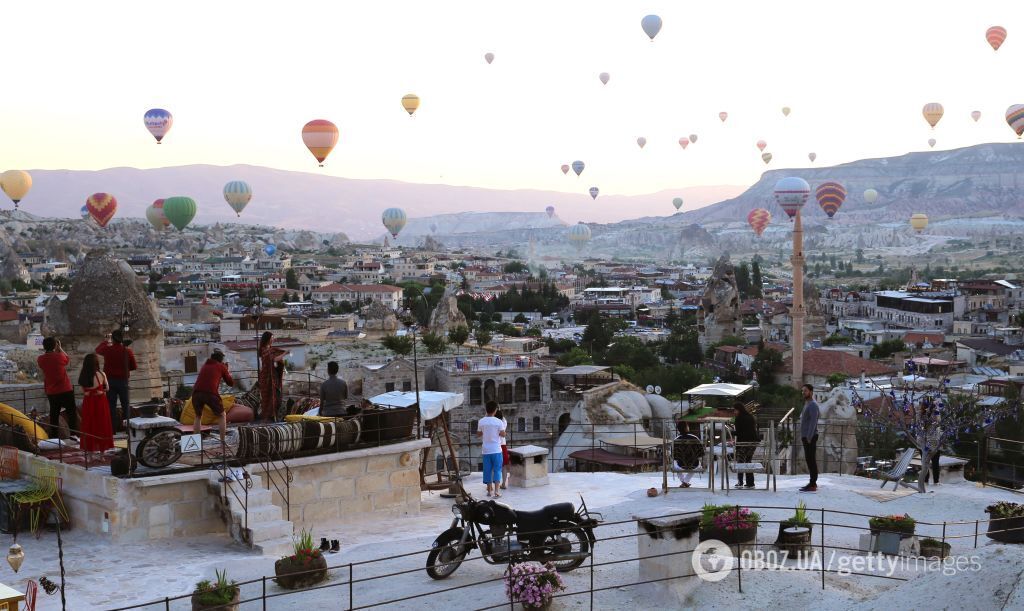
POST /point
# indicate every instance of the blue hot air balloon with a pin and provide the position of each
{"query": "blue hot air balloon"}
(577, 166)
(270, 249)
(651, 25)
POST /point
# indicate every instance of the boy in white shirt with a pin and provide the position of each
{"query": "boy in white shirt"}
(491, 430)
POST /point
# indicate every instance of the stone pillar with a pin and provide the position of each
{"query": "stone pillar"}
(529, 466)
(797, 312)
(665, 542)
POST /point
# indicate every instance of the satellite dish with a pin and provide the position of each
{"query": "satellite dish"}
(650, 388)
(657, 390)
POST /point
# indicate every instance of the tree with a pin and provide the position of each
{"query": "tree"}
(682, 346)
(765, 364)
(576, 356)
(889, 347)
(291, 279)
(756, 281)
(521, 318)
(515, 267)
(435, 343)
(600, 331)
(458, 336)
(743, 279)
(632, 352)
(399, 344)
(483, 337)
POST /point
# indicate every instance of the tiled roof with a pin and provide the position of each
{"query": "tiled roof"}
(826, 362)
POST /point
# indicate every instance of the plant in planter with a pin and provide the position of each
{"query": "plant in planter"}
(933, 548)
(533, 584)
(798, 519)
(1006, 522)
(306, 567)
(728, 523)
(902, 524)
(220, 595)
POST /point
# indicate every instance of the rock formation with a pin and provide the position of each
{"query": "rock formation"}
(814, 322)
(447, 315)
(721, 304)
(103, 289)
(379, 317)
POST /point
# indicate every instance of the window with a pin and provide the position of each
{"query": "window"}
(521, 425)
(389, 387)
(406, 386)
(475, 392)
(505, 393)
(520, 389)
(490, 391)
(536, 423)
(534, 388)
(472, 428)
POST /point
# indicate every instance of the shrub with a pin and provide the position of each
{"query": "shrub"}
(220, 593)
(728, 517)
(1005, 509)
(799, 517)
(893, 523)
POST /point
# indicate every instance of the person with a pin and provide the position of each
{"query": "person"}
(118, 363)
(505, 459)
(97, 430)
(333, 392)
(746, 441)
(686, 453)
(809, 436)
(270, 389)
(933, 435)
(491, 430)
(57, 385)
(206, 392)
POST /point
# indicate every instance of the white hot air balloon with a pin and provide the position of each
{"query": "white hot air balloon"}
(975, 114)
(812, 156)
(579, 235)
(604, 76)
(641, 142)
(489, 57)
(870, 196)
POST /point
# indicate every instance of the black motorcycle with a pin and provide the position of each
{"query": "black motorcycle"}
(559, 534)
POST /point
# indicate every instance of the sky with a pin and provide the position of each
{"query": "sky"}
(241, 78)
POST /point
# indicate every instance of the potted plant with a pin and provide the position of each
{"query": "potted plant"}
(306, 567)
(933, 548)
(904, 525)
(799, 519)
(221, 595)
(1006, 522)
(533, 584)
(728, 523)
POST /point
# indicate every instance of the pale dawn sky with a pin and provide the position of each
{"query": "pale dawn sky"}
(241, 79)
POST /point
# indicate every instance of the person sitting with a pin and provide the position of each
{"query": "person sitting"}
(333, 393)
(687, 451)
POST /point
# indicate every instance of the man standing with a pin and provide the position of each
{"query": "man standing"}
(59, 392)
(747, 438)
(491, 430)
(118, 363)
(333, 392)
(206, 392)
(809, 436)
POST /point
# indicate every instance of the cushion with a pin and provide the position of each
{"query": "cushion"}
(188, 415)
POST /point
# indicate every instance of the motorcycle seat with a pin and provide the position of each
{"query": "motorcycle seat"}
(542, 519)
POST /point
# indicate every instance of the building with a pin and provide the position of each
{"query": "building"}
(245, 350)
(900, 309)
(390, 296)
(821, 363)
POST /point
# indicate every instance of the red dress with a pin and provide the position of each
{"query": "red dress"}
(270, 383)
(97, 431)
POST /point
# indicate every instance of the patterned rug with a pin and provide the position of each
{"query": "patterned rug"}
(884, 496)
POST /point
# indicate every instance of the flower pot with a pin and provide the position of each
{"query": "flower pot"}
(742, 536)
(293, 572)
(794, 543)
(230, 606)
(935, 550)
(1013, 527)
(783, 525)
(543, 607)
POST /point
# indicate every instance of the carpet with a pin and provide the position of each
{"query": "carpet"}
(884, 496)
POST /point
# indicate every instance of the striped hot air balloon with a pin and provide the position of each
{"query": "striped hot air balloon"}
(684, 142)
(237, 193)
(932, 112)
(579, 234)
(594, 192)
(995, 36)
(394, 219)
(791, 194)
(1015, 118)
(766, 158)
(320, 136)
(158, 121)
(410, 102)
(577, 166)
(919, 221)
(102, 207)
(831, 196)
(758, 219)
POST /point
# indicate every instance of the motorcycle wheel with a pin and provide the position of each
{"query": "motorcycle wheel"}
(444, 559)
(573, 540)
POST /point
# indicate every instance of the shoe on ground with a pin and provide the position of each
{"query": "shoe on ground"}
(324, 544)
(809, 488)
(335, 546)
(684, 485)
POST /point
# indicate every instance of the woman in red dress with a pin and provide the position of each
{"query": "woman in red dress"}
(270, 376)
(97, 430)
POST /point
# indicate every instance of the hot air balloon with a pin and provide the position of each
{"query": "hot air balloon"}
(577, 166)
(931, 142)
(995, 36)
(684, 142)
(320, 136)
(766, 158)
(758, 220)
(158, 121)
(155, 215)
(723, 116)
(785, 111)
(410, 102)
(550, 210)
(489, 57)
(237, 193)
(565, 168)
(594, 191)
(579, 234)
(16, 184)
(693, 138)
(102, 207)
(85, 213)
(812, 156)
(677, 202)
(180, 210)
(270, 249)
(433, 228)
(1014, 118)
(761, 144)
(394, 219)
(604, 76)
(791, 194)
(919, 222)
(651, 25)
(641, 142)
(831, 196)
(870, 196)
(975, 114)
(932, 112)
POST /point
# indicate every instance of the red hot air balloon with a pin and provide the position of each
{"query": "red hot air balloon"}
(320, 136)
(758, 220)
(101, 207)
(831, 196)
(995, 36)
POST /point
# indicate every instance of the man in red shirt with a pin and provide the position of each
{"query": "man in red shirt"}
(206, 392)
(59, 392)
(118, 363)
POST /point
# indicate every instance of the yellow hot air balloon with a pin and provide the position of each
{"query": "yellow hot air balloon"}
(785, 111)
(16, 184)
(410, 102)
(919, 221)
(766, 158)
(932, 113)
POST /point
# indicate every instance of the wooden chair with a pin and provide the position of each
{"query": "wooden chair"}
(899, 471)
(9, 463)
(31, 590)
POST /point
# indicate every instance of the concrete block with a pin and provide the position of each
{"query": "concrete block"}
(162, 494)
(372, 482)
(359, 505)
(407, 477)
(349, 468)
(341, 488)
(301, 493)
(381, 463)
(388, 499)
(320, 510)
(186, 512)
(160, 532)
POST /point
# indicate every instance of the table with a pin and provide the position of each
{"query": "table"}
(9, 598)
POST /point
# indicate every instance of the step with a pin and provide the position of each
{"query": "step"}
(259, 514)
(282, 546)
(274, 529)
(257, 498)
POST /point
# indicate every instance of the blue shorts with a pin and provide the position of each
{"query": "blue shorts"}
(492, 468)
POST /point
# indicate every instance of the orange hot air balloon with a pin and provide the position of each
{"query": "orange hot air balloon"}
(101, 207)
(758, 220)
(320, 136)
(995, 36)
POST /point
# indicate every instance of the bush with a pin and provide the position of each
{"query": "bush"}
(220, 593)
(893, 523)
(1005, 509)
(889, 347)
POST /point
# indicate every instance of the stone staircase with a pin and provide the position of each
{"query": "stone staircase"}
(267, 530)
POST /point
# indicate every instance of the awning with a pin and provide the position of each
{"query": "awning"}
(604, 457)
(720, 389)
(432, 403)
(643, 442)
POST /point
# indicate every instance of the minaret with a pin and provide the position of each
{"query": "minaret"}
(797, 313)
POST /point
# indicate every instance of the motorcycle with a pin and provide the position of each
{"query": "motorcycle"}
(558, 533)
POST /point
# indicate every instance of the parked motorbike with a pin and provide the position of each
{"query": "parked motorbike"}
(559, 534)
